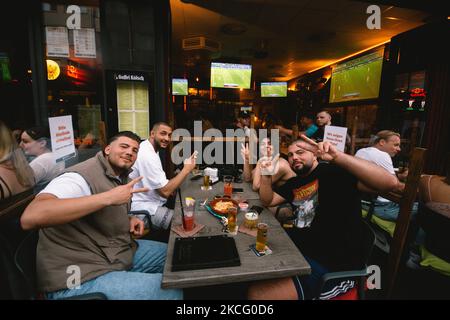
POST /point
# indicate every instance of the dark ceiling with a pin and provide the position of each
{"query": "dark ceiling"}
(283, 39)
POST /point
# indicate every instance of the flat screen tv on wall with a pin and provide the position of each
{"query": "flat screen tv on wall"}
(357, 79)
(179, 87)
(273, 89)
(230, 75)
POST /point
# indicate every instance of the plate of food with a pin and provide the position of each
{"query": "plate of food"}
(221, 205)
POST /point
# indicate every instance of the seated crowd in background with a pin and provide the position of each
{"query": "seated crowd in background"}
(385, 146)
(36, 144)
(243, 122)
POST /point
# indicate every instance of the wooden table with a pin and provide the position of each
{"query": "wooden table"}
(286, 260)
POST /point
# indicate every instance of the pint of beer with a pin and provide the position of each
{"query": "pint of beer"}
(232, 219)
(206, 182)
(261, 237)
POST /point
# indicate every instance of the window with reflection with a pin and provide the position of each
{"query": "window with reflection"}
(74, 70)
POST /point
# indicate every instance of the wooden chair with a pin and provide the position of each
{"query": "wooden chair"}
(405, 201)
(394, 246)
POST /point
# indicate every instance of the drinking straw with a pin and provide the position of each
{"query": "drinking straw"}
(182, 210)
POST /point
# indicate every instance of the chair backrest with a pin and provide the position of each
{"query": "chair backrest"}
(366, 244)
(25, 262)
(406, 201)
(12, 283)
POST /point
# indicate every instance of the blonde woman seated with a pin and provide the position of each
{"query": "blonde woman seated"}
(283, 174)
(16, 175)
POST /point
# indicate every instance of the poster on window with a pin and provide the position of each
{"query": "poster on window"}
(84, 43)
(61, 134)
(57, 42)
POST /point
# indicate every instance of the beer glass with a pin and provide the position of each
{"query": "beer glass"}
(251, 219)
(206, 182)
(232, 219)
(261, 237)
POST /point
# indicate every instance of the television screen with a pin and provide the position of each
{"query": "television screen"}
(228, 75)
(273, 89)
(357, 79)
(179, 87)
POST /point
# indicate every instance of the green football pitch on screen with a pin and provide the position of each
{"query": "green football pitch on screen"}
(180, 87)
(273, 89)
(227, 75)
(357, 80)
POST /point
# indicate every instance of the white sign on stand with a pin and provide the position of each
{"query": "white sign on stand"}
(336, 136)
(61, 134)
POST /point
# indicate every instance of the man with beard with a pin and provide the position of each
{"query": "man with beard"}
(327, 208)
(149, 166)
(85, 241)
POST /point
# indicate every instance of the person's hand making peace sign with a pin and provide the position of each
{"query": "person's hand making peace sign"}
(322, 150)
(269, 166)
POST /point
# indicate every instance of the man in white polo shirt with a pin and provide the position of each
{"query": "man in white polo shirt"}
(385, 146)
(149, 166)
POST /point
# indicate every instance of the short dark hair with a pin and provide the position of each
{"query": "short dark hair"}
(160, 123)
(324, 111)
(127, 134)
(40, 134)
(37, 133)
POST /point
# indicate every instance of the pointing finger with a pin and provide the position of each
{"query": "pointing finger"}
(308, 147)
(310, 141)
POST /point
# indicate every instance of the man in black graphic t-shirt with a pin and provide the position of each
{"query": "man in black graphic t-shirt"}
(327, 210)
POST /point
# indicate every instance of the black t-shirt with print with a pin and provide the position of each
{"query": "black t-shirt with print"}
(328, 211)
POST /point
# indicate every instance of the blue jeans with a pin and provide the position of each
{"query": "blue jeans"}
(389, 210)
(141, 282)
